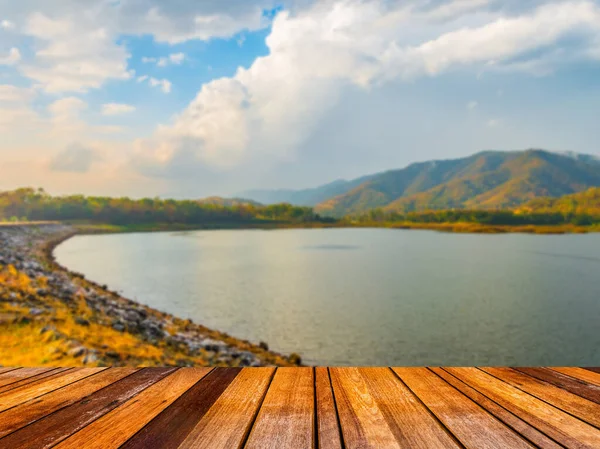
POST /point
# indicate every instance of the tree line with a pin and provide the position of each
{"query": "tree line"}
(35, 204)
(484, 217)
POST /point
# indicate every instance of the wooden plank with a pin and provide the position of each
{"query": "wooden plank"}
(172, 426)
(34, 409)
(54, 428)
(585, 410)
(286, 418)
(32, 390)
(511, 420)
(362, 422)
(328, 428)
(472, 425)
(411, 422)
(117, 426)
(8, 380)
(593, 369)
(587, 376)
(566, 382)
(560, 426)
(227, 423)
(6, 369)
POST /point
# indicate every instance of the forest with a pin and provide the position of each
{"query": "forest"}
(579, 209)
(483, 217)
(28, 204)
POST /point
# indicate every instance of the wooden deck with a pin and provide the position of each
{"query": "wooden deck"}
(299, 408)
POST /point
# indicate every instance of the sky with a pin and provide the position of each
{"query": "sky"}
(186, 99)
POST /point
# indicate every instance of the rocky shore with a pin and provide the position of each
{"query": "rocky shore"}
(51, 316)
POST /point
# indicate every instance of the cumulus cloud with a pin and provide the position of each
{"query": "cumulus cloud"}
(13, 56)
(116, 108)
(76, 158)
(77, 45)
(270, 108)
(73, 54)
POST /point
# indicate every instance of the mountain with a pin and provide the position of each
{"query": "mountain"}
(305, 197)
(586, 202)
(487, 180)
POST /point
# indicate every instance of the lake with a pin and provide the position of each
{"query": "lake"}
(367, 296)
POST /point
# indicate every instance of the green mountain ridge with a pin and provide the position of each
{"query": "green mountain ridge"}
(486, 180)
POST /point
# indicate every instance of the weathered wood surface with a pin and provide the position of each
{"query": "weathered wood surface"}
(325, 408)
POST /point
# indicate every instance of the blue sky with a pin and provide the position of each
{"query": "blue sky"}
(190, 99)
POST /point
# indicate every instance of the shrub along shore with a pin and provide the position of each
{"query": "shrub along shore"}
(50, 316)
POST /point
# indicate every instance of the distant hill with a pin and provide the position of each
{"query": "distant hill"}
(587, 202)
(304, 197)
(486, 180)
(228, 202)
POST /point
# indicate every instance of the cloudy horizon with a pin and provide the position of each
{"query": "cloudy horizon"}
(191, 99)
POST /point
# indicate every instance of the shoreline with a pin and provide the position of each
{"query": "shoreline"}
(448, 227)
(91, 325)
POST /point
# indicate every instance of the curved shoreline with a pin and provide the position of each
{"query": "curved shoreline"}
(169, 338)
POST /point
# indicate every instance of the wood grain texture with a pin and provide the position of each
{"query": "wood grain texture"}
(510, 419)
(472, 425)
(585, 410)
(38, 388)
(362, 422)
(117, 426)
(328, 428)
(37, 408)
(560, 426)
(170, 428)
(587, 376)
(228, 422)
(566, 382)
(411, 422)
(593, 369)
(299, 408)
(54, 428)
(286, 418)
(22, 376)
(6, 369)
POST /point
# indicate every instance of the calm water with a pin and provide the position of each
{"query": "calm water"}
(368, 296)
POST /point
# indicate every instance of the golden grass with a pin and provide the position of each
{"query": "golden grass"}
(50, 337)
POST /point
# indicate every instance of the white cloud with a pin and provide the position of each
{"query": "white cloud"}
(74, 54)
(271, 108)
(173, 58)
(472, 105)
(13, 56)
(14, 94)
(15, 120)
(164, 84)
(493, 123)
(174, 23)
(7, 25)
(117, 109)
